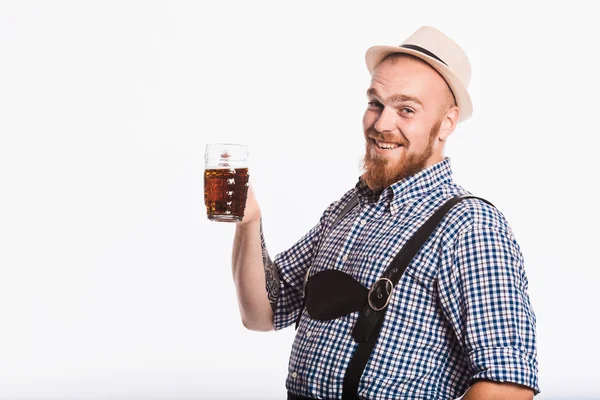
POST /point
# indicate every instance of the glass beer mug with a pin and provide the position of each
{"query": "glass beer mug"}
(225, 181)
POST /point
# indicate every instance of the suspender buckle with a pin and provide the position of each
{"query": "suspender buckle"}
(382, 288)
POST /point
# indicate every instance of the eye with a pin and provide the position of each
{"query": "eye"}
(407, 110)
(374, 105)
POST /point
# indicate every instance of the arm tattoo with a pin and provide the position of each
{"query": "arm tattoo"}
(271, 272)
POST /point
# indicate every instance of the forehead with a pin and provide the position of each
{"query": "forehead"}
(408, 76)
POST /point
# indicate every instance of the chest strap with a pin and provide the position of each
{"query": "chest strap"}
(370, 320)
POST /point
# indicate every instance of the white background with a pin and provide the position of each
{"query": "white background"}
(114, 285)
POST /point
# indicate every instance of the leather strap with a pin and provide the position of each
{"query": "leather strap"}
(347, 208)
(369, 323)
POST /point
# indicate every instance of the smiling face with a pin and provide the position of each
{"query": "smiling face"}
(410, 114)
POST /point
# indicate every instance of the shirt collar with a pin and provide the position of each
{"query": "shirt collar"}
(398, 194)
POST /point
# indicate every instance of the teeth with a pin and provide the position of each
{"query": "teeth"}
(387, 146)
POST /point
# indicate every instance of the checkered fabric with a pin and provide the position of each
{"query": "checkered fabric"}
(460, 312)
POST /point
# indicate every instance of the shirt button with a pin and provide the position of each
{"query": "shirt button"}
(362, 222)
(345, 257)
(294, 374)
(308, 334)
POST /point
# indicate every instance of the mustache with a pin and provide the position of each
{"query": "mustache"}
(374, 134)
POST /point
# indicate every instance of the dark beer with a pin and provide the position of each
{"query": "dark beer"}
(225, 193)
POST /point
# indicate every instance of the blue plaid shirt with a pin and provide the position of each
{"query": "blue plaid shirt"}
(460, 312)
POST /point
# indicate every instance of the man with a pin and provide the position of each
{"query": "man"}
(458, 321)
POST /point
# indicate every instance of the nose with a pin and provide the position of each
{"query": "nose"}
(386, 121)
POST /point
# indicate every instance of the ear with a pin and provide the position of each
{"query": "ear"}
(449, 121)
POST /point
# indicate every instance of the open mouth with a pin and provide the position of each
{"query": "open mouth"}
(386, 146)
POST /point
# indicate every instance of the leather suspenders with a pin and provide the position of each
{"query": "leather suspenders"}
(367, 327)
(370, 320)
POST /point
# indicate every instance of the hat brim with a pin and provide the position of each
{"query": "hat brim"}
(376, 54)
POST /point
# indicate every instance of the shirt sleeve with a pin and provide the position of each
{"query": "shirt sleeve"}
(483, 293)
(293, 264)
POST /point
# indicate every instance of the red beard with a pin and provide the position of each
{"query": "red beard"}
(379, 173)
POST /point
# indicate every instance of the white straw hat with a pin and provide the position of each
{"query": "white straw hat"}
(442, 53)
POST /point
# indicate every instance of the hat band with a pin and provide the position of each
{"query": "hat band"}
(424, 51)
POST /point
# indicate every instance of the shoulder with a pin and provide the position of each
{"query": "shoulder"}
(481, 214)
(471, 214)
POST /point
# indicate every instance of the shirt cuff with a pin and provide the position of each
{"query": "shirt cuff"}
(505, 364)
(289, 301)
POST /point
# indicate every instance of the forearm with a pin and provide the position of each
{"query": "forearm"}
(485, 390)
(255, 276)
